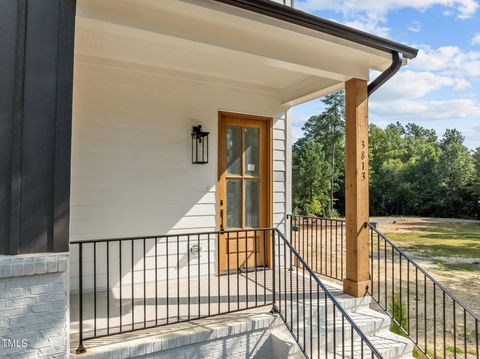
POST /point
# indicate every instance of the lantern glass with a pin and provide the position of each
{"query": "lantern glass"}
(199, 145)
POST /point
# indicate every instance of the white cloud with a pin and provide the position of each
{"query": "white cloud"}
(463, 8)
(476, 39)
(415, 26)
(418, 109)
(413, 85)
(448, 60)
(372, 26)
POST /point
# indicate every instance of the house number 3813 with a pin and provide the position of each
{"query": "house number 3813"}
(363, 158)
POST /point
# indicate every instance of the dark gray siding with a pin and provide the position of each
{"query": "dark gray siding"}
(36, 38)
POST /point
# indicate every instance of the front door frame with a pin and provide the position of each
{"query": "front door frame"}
(222, 115)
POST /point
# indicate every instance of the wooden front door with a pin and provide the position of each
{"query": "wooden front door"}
(244, 190)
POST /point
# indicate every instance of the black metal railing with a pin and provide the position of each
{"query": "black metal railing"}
(128, 284)
(321, 243)
(319, 324)
(437, 322)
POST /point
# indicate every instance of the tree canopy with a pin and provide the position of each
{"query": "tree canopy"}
(412, 170)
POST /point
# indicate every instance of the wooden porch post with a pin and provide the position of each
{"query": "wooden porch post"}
(356, 191)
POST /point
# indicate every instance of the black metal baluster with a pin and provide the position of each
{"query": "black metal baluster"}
(81, 349)
(120, 269)
(321, 246)
(133, 283)
(167, 272)
(336, 249)
(371, 264)
(465, 332)
(284, 278)
(178, 278)
(208, 271)
(95, 289)
(228, 272)
(434, 321)
(238, 273)
(341, 247)
(326, 323)
(246, 265)
(331, 247)
(156, 281)
(401, 303)
(279, 273)
(255, 263)
(425, 309)
(416, 305)
(379, 273)
(334, 332)
(444, 328)
(273, 270)
(408, 296)
(318, 321)
(188, 276)
(385, 269)
(144, 286)
(311, 309)
(291, 289)
(303, 301)
(476, 337)
(264, 267)
(198, 276)
(351, 341)
(218, 279)
(298, 305)
(108, 288)
(454, 329)
(393, 280)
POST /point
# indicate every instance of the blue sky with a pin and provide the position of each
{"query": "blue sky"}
(439, 89)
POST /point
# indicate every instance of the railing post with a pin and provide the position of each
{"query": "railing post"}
(81, 349)
(274, 286)
(356, 187)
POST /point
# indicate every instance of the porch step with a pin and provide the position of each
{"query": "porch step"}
(373, 324)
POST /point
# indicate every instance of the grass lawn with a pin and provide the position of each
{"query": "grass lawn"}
(450, 244)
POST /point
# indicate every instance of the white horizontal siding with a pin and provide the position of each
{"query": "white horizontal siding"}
(132, 174)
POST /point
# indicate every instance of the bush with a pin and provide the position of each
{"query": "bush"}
(398, 309)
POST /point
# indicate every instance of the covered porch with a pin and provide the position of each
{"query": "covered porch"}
(146, 75)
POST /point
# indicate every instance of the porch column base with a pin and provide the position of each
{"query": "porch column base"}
(355, 289)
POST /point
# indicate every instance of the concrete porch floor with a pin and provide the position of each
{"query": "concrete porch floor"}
(299, 301)
(204, 296)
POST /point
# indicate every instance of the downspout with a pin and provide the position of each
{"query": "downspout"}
(397, 60)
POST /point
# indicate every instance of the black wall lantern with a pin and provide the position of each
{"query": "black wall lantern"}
(199, 145)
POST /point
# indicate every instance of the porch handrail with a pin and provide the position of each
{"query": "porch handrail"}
(394, 303)
(102, 261)
(327, 295)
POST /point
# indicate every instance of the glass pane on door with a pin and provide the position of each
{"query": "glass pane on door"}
(252, 211)
(234, 203)
(252, 151)
(234, 150)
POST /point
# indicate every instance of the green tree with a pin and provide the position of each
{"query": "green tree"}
(456, 173)
(328, 130)
(311, 174)
(476, 179)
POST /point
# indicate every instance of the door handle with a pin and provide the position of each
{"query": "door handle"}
(221, 221)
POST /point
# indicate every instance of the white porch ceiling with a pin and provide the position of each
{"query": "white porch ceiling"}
(213, 42)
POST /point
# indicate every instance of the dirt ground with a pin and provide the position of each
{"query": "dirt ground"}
(464, 283)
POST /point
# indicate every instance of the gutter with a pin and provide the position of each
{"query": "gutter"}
(300, 18)
(397, 60)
